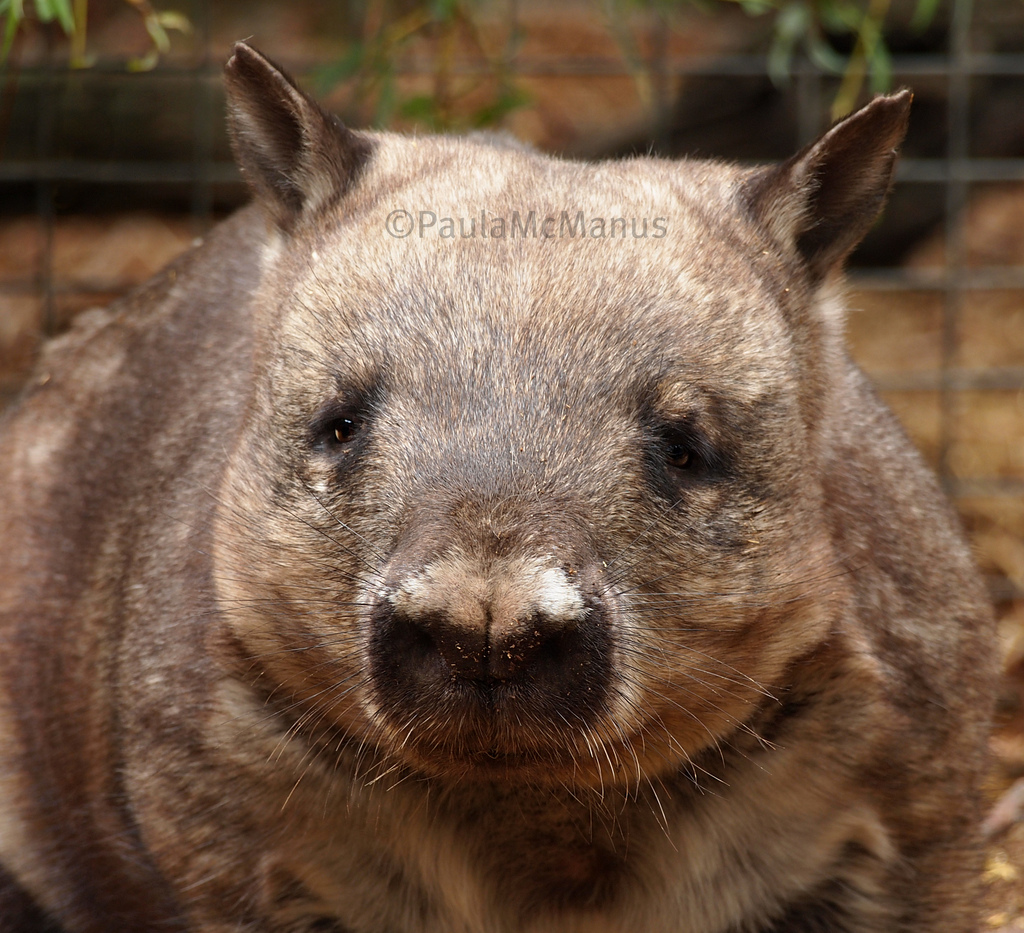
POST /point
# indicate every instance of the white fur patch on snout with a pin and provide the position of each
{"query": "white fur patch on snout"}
(410, 591)
(556, 596)
(470, 591)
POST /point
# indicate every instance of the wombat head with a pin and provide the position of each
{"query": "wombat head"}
(531, 500)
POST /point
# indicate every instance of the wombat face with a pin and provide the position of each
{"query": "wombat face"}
(545, 506)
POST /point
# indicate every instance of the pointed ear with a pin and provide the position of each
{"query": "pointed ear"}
(821, 202)
(296, 158)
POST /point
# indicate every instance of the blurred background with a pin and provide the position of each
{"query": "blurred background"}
(114, 158)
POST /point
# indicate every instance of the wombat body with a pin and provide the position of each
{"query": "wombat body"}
(480, 581)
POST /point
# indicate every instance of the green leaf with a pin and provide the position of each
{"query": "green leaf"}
(65, 16)
(793, 21)
(791, 24)
(880, 66)
(10, 30)
(756, 7)
(44, 11)
(157, 34)
(14, 20)
(841, 16)
(172, 19)
(824, 56)
(510, 99)
(145, 62)
(421, 107)
(443, 10)
(924, 13)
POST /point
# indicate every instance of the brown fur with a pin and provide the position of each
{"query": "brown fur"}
(374, 584)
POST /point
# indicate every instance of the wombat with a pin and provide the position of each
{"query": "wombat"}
(464, 540)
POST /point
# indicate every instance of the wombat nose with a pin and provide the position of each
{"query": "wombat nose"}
(490, 662)
(468, 664)
(434, 644)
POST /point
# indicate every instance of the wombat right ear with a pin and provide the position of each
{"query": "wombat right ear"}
(821, 202)
(296, 158)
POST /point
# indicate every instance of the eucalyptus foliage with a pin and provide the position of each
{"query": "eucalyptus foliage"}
(71, 15)
(820, 30)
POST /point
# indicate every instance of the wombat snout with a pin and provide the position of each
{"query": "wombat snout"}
(516, 639)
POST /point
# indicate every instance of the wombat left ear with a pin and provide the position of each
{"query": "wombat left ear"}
(821, 202)
(296, 158)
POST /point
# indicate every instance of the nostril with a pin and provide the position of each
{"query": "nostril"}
(432, 644)
(539, 651)
(410, 640)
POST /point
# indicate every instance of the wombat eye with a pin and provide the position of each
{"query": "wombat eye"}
(680, 449)
(337, 425)
(346, 429)
(679, 456)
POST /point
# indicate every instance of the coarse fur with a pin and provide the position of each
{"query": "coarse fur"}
(496, 583)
